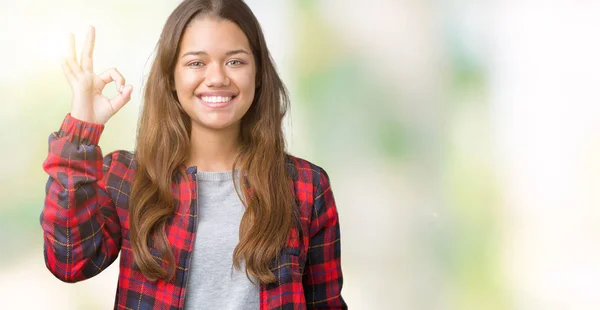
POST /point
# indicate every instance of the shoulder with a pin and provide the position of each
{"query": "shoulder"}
(306, 173)
(312, 190)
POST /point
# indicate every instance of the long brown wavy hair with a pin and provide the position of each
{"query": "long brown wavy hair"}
(163, 146)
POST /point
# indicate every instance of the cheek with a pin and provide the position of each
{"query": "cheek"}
(184, 81)
(247, 83)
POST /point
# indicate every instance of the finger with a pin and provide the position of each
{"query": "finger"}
(122, 98)
(74, 66)
(87, 63)
(108, 76)
(67, 70)
(71, 59)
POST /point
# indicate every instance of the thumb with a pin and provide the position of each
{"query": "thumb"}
(122, 98)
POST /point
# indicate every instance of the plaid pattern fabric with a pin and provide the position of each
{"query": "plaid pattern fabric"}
(85, 225)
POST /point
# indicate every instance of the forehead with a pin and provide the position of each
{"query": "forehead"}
(213, 35)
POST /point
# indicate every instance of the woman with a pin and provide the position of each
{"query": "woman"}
(209, 186)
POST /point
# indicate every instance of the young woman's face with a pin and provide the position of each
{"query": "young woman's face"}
(215, 73)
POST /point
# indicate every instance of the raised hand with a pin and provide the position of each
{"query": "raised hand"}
(89, 104)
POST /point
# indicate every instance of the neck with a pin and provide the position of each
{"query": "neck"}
(213, 150)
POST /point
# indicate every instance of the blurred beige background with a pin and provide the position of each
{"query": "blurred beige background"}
(462, 139)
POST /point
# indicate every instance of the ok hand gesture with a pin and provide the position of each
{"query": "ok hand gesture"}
(89, 104)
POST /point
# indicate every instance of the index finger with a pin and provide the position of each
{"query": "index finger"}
(87, 64)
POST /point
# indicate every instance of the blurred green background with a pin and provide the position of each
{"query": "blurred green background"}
(461, 139)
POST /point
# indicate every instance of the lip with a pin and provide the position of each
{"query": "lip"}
(221, 93)
(217, 105)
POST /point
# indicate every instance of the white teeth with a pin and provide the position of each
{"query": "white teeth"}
(215, 99)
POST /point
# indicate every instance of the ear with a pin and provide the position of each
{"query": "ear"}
(173, 91)
(258, 81)
(257, 74)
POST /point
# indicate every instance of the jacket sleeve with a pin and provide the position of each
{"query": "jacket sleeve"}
(82, 234)
(322, 280)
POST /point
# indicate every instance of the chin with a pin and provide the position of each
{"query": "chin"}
(216, 125)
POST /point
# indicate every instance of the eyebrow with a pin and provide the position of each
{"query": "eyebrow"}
(198, 53)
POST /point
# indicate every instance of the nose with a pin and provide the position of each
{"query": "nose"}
(215, 76)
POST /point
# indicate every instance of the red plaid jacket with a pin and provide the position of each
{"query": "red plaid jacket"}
(85, 224)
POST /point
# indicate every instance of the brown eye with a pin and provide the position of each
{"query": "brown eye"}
(196, 64)
(235, 62)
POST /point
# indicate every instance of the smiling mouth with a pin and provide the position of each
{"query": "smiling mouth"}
(216, 101)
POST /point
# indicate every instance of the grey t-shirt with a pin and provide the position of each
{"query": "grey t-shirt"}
(213, 282)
